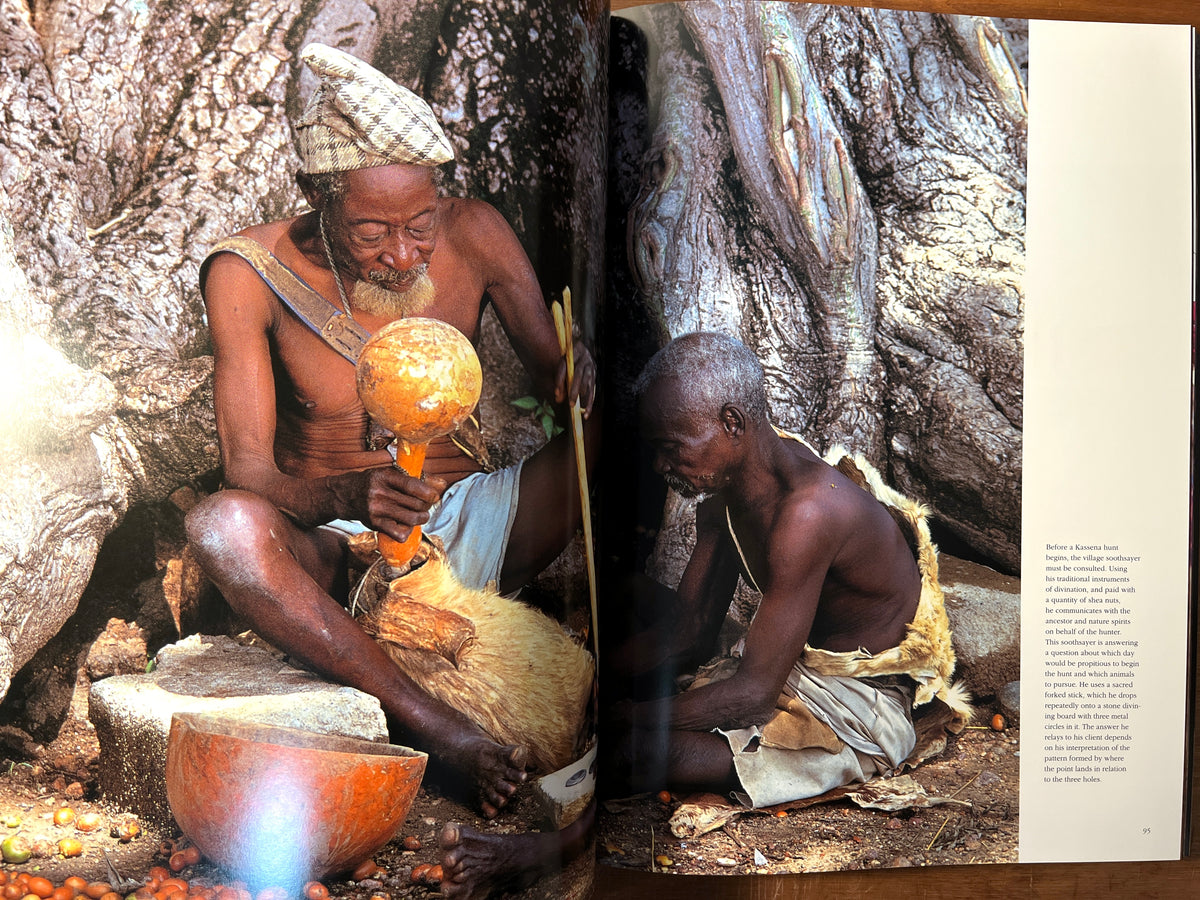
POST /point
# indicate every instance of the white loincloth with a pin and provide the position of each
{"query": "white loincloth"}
(872, 720)
(474, 521)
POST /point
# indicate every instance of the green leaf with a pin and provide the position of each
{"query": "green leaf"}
(548, 425)
(529, 404)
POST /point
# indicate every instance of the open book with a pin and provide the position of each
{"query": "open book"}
(1015, 304)
(961, 251)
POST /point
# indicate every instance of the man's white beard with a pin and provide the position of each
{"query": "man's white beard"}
(377, 300)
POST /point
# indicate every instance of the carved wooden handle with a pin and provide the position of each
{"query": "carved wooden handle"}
(411, 458)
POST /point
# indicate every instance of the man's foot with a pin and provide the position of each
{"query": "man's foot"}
(497, 771)
(475, 864)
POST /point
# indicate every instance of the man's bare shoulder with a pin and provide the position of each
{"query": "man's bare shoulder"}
(228, 274)
(278, 237)
(474, 227)
(229, 282)
(818, 499)
(824, 502)
(818, 507)
(470, 211)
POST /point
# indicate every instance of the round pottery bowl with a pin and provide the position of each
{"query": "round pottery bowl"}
(280, 806)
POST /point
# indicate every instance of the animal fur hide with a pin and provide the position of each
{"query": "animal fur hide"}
(510, 669)
(926, 654)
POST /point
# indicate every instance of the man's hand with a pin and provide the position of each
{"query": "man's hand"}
(386, 499)
(583, 388)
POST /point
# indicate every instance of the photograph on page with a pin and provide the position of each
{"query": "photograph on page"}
(279, 287)
(818, 662)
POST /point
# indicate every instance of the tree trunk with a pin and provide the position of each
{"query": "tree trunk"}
(851, 204)
(136, 137)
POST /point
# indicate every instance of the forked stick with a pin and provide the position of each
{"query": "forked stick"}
(562, 324)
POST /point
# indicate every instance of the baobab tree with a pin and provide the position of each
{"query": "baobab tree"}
(841, 187)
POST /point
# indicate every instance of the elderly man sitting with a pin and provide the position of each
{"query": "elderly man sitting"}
(850, 630)
(289, 303)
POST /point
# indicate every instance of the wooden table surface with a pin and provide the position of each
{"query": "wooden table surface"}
(1166, 880)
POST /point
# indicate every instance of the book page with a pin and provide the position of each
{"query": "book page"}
(1107, 438)
(860, 226)
(434, 167)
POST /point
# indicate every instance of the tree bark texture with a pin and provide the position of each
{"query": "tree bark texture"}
(136, 136)
(844, 190)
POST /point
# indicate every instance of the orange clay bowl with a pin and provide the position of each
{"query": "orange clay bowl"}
(419, 377)
(280, 806)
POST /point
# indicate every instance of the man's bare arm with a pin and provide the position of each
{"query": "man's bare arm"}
(802, 546)
(241, 314)
(517, 296)
(686, 634)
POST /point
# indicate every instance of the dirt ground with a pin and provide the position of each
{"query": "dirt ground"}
(979, 766)
(64, 773)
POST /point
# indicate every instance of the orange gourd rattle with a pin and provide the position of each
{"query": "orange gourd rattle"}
(419, 378)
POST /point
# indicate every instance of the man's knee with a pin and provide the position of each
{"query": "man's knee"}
(227, 525)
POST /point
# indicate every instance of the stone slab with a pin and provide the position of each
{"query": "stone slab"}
(132, 713)
(984, 607)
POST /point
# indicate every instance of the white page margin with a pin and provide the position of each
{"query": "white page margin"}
(1107, 392)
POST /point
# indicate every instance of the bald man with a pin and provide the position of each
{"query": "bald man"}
(837, 574)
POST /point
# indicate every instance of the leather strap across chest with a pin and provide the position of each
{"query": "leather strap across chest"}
(331, 324)
(741, 554)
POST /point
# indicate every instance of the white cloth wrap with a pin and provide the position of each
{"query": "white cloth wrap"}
(874, 723)
(474, 521)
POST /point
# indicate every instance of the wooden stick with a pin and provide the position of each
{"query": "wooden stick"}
(562, 324)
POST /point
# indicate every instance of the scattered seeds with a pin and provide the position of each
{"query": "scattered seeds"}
(126, 830)
(364, 869)
(64, 815)
(15, 849)
(89, 821)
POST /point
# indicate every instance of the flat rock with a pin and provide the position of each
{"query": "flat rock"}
(1010, 702)
(984, 607)
(132, 713)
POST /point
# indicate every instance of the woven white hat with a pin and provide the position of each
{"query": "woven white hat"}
(358, 118)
